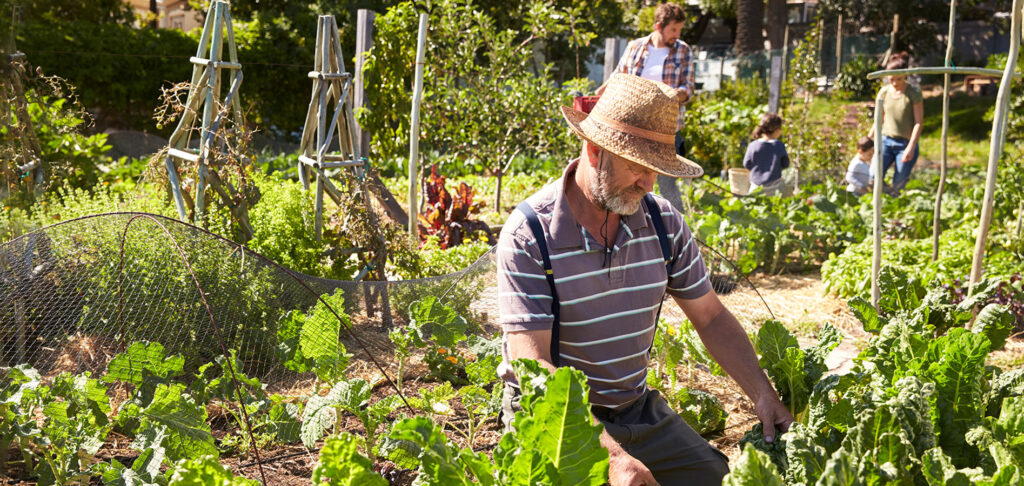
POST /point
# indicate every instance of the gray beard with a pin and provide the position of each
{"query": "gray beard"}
(617, 203)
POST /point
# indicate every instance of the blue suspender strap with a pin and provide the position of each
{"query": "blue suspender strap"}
(538, 234)
(666, 249)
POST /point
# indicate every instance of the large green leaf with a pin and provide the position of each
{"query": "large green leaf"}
(341, 464)
(439, 461)
(957, 367)
(188, 434)
(320, 338)
(437, 322)
(996, 322)
(807, 458)
(772, 341)
(560, 428)
(753, 467)
(938, 470)
(143, 359)
(1008, 384)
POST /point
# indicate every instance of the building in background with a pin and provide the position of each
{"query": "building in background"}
(171, 14)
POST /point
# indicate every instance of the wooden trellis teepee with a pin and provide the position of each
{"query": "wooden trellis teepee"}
(28, 167)
(209, 73)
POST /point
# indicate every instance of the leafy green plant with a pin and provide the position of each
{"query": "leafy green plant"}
(853, 83)
(312, 341)
(204, 471)
(700, 409)
(325, 412)
(920, 406)
(794, 371)
(555, 440)
(341, 464)
(480, 407)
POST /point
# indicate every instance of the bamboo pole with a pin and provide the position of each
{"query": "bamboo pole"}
(414, 130)
(785, 52)
(839, 45)
(876, 257)
(996, 146)
(937, 216)
(935, 70)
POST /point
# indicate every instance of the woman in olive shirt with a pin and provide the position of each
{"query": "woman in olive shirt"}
(902, 115)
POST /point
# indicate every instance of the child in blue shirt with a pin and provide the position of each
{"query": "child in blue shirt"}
(766, 155)
(859, 174)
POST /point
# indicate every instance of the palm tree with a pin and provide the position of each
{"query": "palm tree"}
(749, 22)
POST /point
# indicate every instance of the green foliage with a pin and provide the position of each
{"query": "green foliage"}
(754, 467)
(718, 128)
(205, 471)
(341, 465)
(282, 223)
(188, 433)
(482, 85)
(440, 328)
(919, 406)
(145, 365)
(320, 338)
(555, 440)
(352, 396)
(853, 83)
(794, 371)
(700, 409)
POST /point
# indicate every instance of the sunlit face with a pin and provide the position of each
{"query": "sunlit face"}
(898, 82)
(620, 184)
(669, 33)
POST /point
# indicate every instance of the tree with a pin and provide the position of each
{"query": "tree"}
(917, 34)
(749, 23)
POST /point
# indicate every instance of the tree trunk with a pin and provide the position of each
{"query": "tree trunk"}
(776, 22)
(749, 23)
(155, 11)
(694, 33)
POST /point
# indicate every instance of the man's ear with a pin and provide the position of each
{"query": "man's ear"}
(593, 153)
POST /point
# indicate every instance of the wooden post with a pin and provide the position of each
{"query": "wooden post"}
(876, 258)
(996, 145)
(937, 215)
(839, 45)
(785, 52)
(611, 56)
(775, 85)
(364, 42)
(414, 130)
(821, 36)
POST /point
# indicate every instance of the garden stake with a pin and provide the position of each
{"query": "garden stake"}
(414, 129)
(937, 217)
(996, 145)
(876, 203)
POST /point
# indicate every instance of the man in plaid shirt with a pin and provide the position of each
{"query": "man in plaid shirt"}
(664, 57)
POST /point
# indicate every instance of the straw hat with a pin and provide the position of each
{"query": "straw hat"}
(636, 119)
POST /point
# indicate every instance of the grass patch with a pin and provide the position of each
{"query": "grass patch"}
(968, 138)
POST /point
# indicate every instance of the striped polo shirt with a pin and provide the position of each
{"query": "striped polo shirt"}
(607, 310)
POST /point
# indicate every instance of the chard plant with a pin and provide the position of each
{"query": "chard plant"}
(480, 407)
(324, 413)
(920, 406)
(312, 341)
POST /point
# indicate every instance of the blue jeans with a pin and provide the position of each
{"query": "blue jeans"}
(892, 151)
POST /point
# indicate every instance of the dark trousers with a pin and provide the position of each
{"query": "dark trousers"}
(650, 431)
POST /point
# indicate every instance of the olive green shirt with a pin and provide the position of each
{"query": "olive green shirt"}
(898, 120)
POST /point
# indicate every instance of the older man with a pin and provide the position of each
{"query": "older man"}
(583, 267)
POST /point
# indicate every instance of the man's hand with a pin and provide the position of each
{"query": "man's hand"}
(682, 96)
(625, 470)
(772, 412)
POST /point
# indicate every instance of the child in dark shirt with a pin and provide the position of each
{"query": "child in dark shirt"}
(766, 155)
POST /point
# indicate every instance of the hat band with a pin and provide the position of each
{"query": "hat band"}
(635, 131)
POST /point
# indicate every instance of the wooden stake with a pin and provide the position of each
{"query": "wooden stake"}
(839, 45)
(996, 145)
(937, 215)
(876, 201)
(414, 130)
(892, 39)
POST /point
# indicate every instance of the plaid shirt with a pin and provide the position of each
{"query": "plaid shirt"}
(677, 72)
